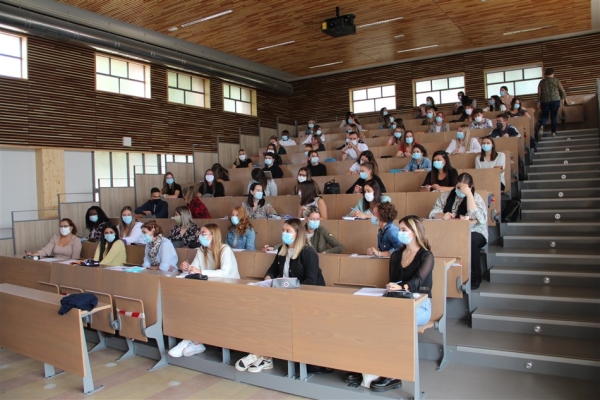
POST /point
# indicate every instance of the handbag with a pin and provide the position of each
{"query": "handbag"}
(399, 294)
(332, 187)
(285, 283)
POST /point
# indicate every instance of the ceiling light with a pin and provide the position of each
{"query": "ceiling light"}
(276, 45)
(399, 37)
(385, 21)
(206, 18)
(173, 29)
(418, 48)
(326, 65)
(527, 30)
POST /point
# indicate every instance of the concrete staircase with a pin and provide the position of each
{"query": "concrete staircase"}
(540, 312)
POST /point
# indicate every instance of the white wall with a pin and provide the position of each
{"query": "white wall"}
(78, 176)
(18, 189)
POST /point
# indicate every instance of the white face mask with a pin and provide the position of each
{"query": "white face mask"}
(478, 119)
(301, 178)
(65, 230)
(242, 157)
(369, 196)
(209, 178)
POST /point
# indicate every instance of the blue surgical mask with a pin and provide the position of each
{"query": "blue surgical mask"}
(349, 120)
(385, 113)
(127, 219)
(428, 103)
(311, 126)
(268, 161)
(438, 119)
(502, 93)
(258, 195)
(517, 106)
(110, 237)
(170, 181)
(397, 135)
(287, 238)
(438, 164)
(204, 241)
(284, 138)
(306, 154)
(374, 220)
(459, 193)
(409, 140)
(235, 220)
(314, 160)
(429, 115)
(492, 102)
(486, 147)
(355, 142)
(318, 132)
(94, 218)
(347, 140)
(404, 237)
(416, 156)
(391, 119)
(393, 126)
(147, 238)
(313, 224)
(460, 135)
(363, 175)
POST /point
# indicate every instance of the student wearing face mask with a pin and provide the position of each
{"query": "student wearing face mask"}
(463, 143)
(286, 139)
(396, 137)
(242, 161)
(516, 110)
(272, 167)
(155, 207)
(407, 145)
(439, 125)
(503, 129)
(185, 232)
(464, 203)
(64, 245)
(365, 156)
(171, 189)
(371, 197)
(353, 148)
(241, 234)
(309, 127)
(316, 144)
(272, 151)
(316, 168)
(367, 172)
(213, 259)
(221, 174)
(479, 122)
(269, 185)
(505, 97)
(442, 177)
(130, 231)
(256, 207)
(422, 111)
(418, 160)
(383, 217)
(495, 104)
(111, 250)
(278, 149)
(304, 175)
(96, 219)
(317, 132)
(490, 158)
(160, 253)
(318, 236)
(429, 116)
(210, 187)
(310, 197)
(387, 123)
(352, 119)
(382, 113)
(467, 115)
(463, 101)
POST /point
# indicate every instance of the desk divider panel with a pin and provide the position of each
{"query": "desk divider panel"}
(340, 167)
(331, 204)
(135, 254)
(21, 272)
(420, 203)
(274, 229)
(173, 204)
(88, 249)
(74, 276)
(394, 163)
(33, 235)
(262, 263)
(360, 272)
(285, 205)
(236, 174)
(399, 201)
(357, 236)
(435, 146)
(388, 180)
(330, 267)
(409, 181)
(166, 224)
(388, 151)
(245, 261)
(237, 187)
(345, 203)
(285, 186)
(463, 161)
(112, 199)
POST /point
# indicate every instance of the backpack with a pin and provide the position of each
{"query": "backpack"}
(512, 211)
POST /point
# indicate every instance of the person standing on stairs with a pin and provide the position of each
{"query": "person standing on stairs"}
(550, 94)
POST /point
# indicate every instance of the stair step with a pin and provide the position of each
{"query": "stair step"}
(566, 175)
(543, 154)
(568, 142)
(571, 167)
(560, 184)
(551, 242)
(546, 275)
(566, 145)
(556, 227)
(565, 193)
(565, 160)
(549, 215)
(558, 138)
(573, 132)
(559, 204)
(516, 256)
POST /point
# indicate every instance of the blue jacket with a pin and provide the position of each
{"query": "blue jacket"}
(387, 238)
(245, 242)
(166, 255)
(413, 166)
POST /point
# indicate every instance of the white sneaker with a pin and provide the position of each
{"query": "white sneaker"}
(263, 364)
(193, 348)
(248, 361)
(177, 351)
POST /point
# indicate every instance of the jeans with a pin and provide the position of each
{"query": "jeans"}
(551, 107)
(477, 242)
(424, 312)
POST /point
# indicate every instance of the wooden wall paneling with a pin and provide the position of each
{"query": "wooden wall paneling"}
(227, 153)
(6, 248)
(474, 76)
(182, 172)
(112, 200)
(76, 213)
(33, 235)
(143, 183)
(203, 160)
(271, 106)
(250, 143)
(14, 115)
(265, 133)
(159, 111)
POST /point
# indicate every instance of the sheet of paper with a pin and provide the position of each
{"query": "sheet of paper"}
(266, 283)
(238, 250)
(48, 259)
(271, 252)
(372, 292)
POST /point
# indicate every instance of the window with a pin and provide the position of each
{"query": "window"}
(371, 99)
(518, 80)
(13, 56)
(188, 89)
(443, 89)
(239, 100)
(122, 76)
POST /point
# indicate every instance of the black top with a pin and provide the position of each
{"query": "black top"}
(281, 150)
(361, 183)
(321, 147)
(172, 188)
(317, 170)
(275, 171)
(450, 180)
(242, 164)
(418, 274)
(305, 267)
(217, 189)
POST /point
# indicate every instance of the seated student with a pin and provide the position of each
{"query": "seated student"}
(213, 259)
(171, 189)
(221, 174)
(185, 232)
(387, 122)
(315, 143)
(210, 187)
(411, 269)
(353, 148)
(196, 206)
(286, 139)
(429, 116)
(130, 231)
(310, 126)
(490, 158)
(155, 207)
(516, 110)
(272, 167)
(467, 115)
(442, 177)
(269, 186)
(304, 175)
(256, 206)
(371, 197)
(465, 203)
(439, 125)
(407, 145)
(503, 129)
(272, 151)
(479, 122)
(317, 132)
(96, 220)
(367, 172)
(111, 250)
(316, 168)
(365, 156)
(422, 111)
(396, 137)
(278, 149)
(418, 160)
(309, 196)
(63, 245)
(295, 258)
(383, 216)
(430, 103)
(495, 104)
(241, 234)
(463, 101)
(159, 253)
(348, 132)
(242, 161)
(463, 143)
(344, 123)
(318, 236)
(352, 119)
(505, 97)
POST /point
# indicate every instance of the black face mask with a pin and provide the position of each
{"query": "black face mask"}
(499, 126)
(156, 201)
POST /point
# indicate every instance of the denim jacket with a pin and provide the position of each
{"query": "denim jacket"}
(413, 166)
(387, 238)
(245, 242)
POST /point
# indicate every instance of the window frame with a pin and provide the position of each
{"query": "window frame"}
(376, 110)
(433, 78)
(23, 56)
(253, 105)
(146, 81)
(205, 83)
(504, 83)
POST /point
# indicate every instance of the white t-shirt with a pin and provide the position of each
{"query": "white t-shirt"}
(475, 146)
(289, 142)
(229, 267)
(355, 168)
(500, 161)
(351, 153)
(135, 236)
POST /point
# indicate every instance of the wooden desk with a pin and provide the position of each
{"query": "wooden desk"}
(56, 340)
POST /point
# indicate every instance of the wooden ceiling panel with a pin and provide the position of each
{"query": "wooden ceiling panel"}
(452, 24)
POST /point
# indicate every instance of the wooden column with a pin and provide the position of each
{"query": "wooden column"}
(50, 173)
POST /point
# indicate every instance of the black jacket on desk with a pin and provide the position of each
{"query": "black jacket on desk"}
(305, 267)
(160, 209)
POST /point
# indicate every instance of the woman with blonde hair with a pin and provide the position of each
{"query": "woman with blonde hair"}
(241, 234)
(215, 260)
(463, 143)
(185, 231)
(130, 231)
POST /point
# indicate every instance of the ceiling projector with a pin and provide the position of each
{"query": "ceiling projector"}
(341, 25)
